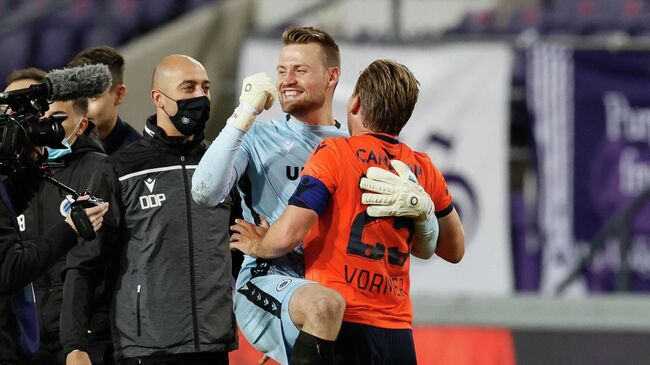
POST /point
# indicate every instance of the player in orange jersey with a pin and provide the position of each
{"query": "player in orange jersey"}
(360, 243)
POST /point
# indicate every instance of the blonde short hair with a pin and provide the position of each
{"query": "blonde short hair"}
(388, 92)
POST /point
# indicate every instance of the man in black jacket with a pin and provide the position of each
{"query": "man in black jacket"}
(173, 300)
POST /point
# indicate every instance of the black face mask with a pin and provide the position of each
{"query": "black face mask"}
(192, 114)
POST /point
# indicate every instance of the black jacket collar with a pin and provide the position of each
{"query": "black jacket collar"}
(120, 136)
(155, 134)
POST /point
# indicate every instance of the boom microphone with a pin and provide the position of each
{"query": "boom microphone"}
(77, 82)
(66, 84)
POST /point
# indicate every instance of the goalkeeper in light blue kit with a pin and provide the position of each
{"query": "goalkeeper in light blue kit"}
(291, 320)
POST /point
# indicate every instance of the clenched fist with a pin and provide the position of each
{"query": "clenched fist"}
(257, 94)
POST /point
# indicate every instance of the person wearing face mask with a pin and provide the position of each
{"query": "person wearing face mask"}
(74, 165)
(54, 153)
(173, 300)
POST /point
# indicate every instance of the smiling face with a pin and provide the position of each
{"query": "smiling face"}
(303, 78)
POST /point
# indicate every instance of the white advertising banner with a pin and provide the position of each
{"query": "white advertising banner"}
(461, 121)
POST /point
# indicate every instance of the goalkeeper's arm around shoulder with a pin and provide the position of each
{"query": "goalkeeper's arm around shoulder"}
(401, 195)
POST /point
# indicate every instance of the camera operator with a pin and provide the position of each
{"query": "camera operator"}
(22, 261)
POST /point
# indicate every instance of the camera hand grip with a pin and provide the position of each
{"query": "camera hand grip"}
(82, 223)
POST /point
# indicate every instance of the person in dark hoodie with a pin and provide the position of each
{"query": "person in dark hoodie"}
(22, 261)
(73, 165)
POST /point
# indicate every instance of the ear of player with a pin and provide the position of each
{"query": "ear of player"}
(257, 94)
(395, 195)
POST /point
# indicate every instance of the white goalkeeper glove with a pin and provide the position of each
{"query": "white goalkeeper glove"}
(395, 195)
(401, 195)
(257, 94)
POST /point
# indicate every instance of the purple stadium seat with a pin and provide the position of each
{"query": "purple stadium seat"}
(562, 16)
(100, 35)
(633, 16)
(125, 17)
(17, 5)
(15, 51)
(55, 46)
(77, 14)
(4, 9)
(9, 8)
(194, 4)
(522, 19)
(596, 16)
(157, 12)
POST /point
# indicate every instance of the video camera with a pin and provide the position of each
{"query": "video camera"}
(20, 133)
(26, 127)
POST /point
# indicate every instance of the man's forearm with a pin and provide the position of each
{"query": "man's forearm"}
(277, 242)
(426, 237)
(287, 232)
(216, 173)
(22, 264)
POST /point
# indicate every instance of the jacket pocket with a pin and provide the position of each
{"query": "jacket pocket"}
(137, 309)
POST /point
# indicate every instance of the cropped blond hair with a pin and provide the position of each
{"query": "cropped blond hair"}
(388, 92)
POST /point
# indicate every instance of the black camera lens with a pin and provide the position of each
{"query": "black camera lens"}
(47, 131)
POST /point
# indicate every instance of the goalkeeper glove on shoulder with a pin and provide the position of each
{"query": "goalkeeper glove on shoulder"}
(395, 195)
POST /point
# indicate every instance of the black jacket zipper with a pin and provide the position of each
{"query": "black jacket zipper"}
(190, 245)
(137, 309)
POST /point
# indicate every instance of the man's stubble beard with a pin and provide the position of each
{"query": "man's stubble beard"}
(300, 107)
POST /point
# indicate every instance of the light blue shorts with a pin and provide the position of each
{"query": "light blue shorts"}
(262, 311)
